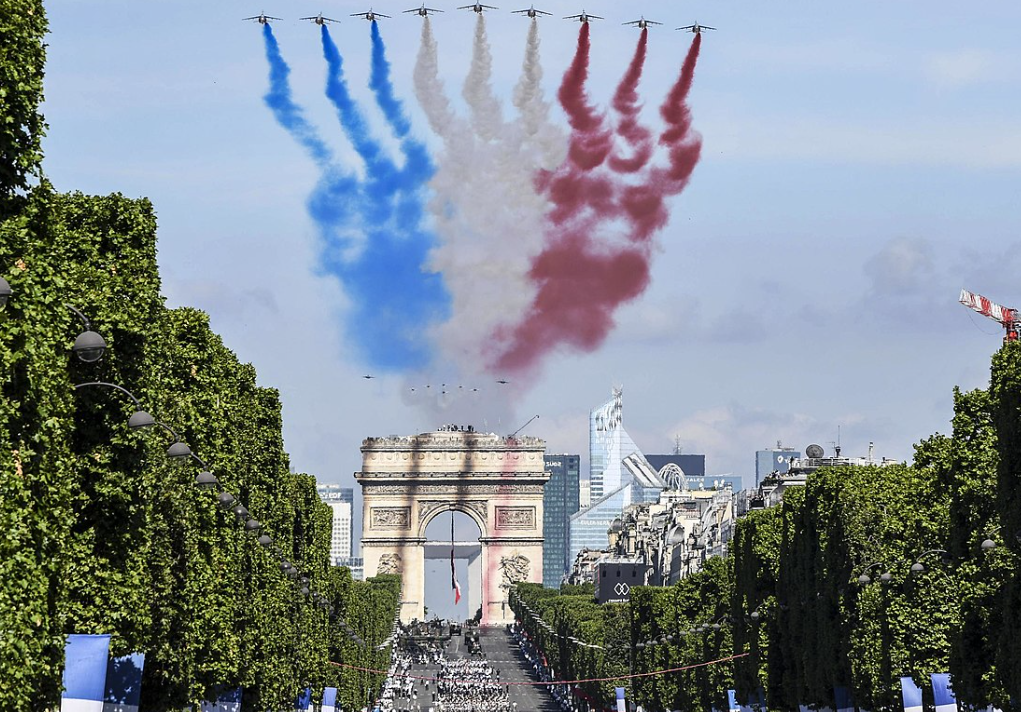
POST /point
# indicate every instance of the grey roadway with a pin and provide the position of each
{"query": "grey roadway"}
(503, 654)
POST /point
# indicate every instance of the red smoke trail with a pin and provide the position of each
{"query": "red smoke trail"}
(585, 272)
(625, 103)
(591, 141)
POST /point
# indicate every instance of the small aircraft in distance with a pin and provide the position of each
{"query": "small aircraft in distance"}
(371, 15)
(531, 12)
(477, 7)
(583, 18)
(503, 382)
(319, 19)
(423, 11)
(642, 23)
(262, 18)
(696, 28)
(368, 376)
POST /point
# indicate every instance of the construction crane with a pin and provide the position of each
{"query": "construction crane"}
(1007, 317)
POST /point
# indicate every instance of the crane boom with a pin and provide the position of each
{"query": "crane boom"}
(1007, 317)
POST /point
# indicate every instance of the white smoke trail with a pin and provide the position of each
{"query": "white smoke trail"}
(488, 216)
(540, 132)
(487, 119)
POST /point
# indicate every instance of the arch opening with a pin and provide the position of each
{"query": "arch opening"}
(453, 535)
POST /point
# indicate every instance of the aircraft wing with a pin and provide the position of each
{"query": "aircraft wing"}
(596, 17)
(652, 22)
(633, 22)
(249, 18)
(686, 27)
(573, 17)
(379, 14)
(707, 27)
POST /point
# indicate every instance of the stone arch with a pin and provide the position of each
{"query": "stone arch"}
(476, 511)
(496, 481)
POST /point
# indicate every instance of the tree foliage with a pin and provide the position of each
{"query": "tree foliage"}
(103, 533)
(22, 55)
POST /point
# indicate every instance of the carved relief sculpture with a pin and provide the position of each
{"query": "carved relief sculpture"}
(514, 569)
(515, 517)
(390, 517)
(389, 564)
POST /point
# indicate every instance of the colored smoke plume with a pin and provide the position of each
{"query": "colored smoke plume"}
(625, 103)
(590, 265)
(539, 132)
(485, 208)
(287, 113)
(370, 233)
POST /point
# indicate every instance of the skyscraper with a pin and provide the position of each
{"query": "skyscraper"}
(559, 501)
(341, 501)
(609, 444)
(619, 473)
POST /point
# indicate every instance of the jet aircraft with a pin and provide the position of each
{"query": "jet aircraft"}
(319, 19)
(477, 7)
(371, 15)
(532, 12)
(642, 23)
(583, 18)
(262, 18)
(423, 11)
(696, 28)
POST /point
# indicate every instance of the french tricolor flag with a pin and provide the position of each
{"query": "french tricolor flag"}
(453, 579)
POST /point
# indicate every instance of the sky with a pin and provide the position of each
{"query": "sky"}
(859, 166)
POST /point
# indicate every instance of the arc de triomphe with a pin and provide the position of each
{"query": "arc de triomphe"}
(497, 481)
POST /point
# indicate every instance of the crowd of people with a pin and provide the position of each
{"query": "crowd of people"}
(471, 685)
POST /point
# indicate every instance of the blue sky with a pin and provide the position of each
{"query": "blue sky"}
(860, 166)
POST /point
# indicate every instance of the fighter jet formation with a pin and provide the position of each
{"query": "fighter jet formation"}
(479, 8)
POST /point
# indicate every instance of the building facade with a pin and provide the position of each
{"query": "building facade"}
(609, 444)
(341, 503)
(560, 499)
(774, 460)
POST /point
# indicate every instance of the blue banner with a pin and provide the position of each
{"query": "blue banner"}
(329, 700)
(943, 696)
(85, 659)
(844, 701)
(303, 700)
(226, 701)
(732, 705)
(912, 695)
(621, 704)
(124, 683)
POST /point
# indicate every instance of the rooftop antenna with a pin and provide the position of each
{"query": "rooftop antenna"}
(523, 426)
(836, 445)
(678, 450)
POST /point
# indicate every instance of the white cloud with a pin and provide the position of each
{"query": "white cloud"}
(963, 67)
(902, 267)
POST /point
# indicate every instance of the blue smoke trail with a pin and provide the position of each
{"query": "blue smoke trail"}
(394, 299)
(381, 86)
(287, 113)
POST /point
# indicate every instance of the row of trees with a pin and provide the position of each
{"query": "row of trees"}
(99, 531)
(102, 533)
(791, 600)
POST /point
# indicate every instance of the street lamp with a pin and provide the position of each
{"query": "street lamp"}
(988, 544)
(5, 292)
(864, 578)
(226, 500)
(139, 419)
(88, 346)
(918, 567)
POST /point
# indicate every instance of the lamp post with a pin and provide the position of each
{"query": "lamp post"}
(988, 544)
(918, 567)
(885, 577)
(88, 346)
